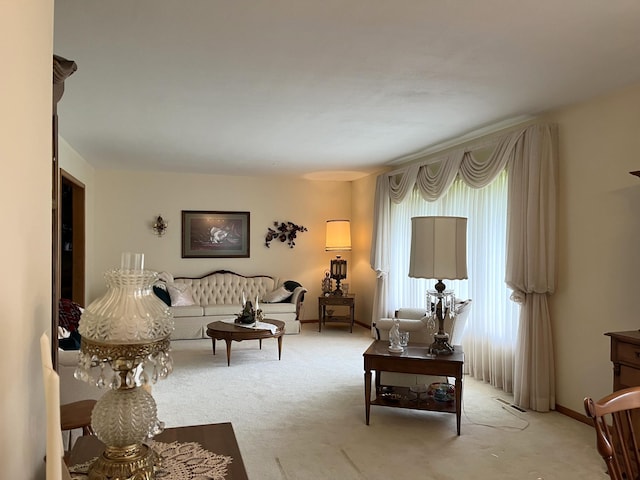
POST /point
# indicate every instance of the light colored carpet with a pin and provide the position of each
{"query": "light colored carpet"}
(302, 418)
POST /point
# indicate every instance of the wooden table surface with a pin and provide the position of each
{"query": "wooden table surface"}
(217, 438)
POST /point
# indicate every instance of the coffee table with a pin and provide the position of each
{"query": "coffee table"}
(230, 332)
(414, 359)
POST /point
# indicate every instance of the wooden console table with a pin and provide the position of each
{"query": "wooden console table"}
(414, 359)
(625, 355)
(217, 438)
(339, 301)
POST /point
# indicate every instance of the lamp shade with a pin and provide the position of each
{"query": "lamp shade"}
(338, 236)
(438, 248)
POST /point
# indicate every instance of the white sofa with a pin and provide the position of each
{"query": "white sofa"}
(218, 295)
(413, 320)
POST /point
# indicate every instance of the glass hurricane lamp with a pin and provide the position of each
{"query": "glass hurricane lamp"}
(125, 348)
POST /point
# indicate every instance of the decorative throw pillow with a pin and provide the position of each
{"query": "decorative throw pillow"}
(180, 294)
(278, 295)
(291, 285)
(162, 294)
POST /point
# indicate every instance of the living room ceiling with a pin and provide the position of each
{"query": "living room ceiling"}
(323, 89)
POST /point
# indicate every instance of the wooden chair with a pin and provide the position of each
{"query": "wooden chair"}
(76, 415)
(616, 418)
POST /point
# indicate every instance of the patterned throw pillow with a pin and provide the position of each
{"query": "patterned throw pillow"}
(180, 294)
(278, 295)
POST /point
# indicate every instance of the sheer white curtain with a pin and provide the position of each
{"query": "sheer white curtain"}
(491, 333)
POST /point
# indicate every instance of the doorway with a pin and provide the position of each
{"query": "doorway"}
(72, 238)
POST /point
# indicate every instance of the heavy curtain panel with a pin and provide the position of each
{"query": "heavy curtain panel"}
(530, 157)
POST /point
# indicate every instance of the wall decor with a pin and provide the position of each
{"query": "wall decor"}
(160, 226)
(285, 232)
(211, 234)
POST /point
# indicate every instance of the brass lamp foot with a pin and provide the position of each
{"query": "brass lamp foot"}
(441, 345)
(135, 462)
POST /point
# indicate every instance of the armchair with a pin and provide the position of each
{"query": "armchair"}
(414, 320)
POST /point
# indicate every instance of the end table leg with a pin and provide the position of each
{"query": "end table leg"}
(353, 317)
(279, 347)
(458, 401)
(228, 352)
(213, 341)
(367, 394)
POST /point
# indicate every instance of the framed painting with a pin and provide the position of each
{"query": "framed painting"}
(214, 234)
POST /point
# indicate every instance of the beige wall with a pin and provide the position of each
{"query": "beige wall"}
(25, 246)
(599, 234)
(126, 204)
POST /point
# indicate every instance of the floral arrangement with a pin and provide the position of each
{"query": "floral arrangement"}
(285, 232)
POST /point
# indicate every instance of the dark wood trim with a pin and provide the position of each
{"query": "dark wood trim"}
(78, 239)
(62, 69)
(222, 272)
(55, 238)
(573, 414)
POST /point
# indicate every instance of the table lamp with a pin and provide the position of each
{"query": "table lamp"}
(124, 349)
(439, 251)
(338, 239)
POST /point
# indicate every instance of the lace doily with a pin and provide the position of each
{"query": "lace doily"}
(180, 461)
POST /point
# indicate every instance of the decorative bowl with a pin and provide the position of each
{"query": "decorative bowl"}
(442, 392)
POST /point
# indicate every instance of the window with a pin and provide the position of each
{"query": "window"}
(490, 337)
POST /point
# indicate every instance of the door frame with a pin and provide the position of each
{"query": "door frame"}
(78, 235)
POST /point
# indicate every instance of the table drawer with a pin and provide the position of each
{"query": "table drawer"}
(629, 353)
(337, 301)
(629, 377)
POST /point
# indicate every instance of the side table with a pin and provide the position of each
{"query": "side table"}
(217, 438)
(335, 300)
(414, 359)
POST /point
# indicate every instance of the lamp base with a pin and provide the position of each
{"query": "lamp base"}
(441, 345)
(338, 291)
(136, 462)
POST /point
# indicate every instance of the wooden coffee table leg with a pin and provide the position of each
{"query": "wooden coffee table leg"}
(228, 340)
(213, 341)
(279, 347)
(367, 394)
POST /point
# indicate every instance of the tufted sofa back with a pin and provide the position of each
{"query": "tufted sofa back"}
(225, 287)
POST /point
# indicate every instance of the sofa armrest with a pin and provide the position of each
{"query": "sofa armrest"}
(298, 298)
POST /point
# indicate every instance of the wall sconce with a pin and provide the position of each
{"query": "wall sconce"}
(338, 239)
(160, 226)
